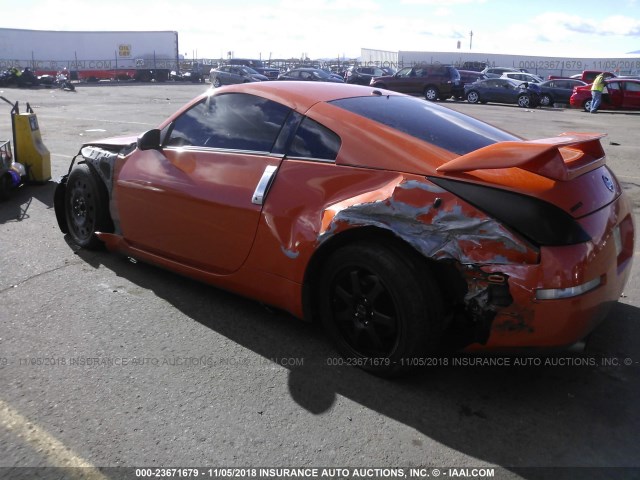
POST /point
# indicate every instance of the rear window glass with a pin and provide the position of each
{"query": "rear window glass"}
(426, 121)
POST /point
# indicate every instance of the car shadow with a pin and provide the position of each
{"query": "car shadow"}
(576, 410)
(16, 207)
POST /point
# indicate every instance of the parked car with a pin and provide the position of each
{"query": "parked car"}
(230, 74)
(496, 72)
(558, 90)
(362, 75)
(618, 94)
(310, 75)
(502, 90)
(258, 66)
(404, 227)
(522, 77)
(467, 77)
(435, 82)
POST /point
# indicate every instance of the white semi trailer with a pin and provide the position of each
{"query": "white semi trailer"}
(91, 56)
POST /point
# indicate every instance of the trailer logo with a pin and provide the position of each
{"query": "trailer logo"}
(124, 50)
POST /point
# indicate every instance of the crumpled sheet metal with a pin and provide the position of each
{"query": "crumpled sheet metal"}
(445, 228)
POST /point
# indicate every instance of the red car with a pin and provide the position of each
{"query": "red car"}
(403, 226)
(618, 94)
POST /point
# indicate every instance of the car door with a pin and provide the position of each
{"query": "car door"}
(235, 75)
(631, 95)
(561, 91)
(612, 95)
(489, 90)
(503, 91)
(198, 199)
(223, 75)
(403, 80)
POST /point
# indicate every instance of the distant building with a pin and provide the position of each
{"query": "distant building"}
(543, 66)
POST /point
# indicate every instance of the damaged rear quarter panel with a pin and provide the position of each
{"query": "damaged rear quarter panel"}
(337, 199)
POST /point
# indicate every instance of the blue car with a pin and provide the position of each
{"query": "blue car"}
(503, 90)
(558, 90)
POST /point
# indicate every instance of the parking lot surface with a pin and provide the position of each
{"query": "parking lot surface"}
(109, 363)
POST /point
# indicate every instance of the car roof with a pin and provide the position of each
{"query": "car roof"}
(625, 80)
(502, 79)
(576, 81)
(301, 95)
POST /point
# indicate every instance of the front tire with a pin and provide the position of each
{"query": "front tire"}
(86, 207)
(380, 307)
(217, 83)
(587, 105)
(546, 100)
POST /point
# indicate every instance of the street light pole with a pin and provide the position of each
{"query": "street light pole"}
(470, 39)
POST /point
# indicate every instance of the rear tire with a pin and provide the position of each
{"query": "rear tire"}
(545, 100)
(431, 93)
(380, 307)
(86, 207)
(524, 101)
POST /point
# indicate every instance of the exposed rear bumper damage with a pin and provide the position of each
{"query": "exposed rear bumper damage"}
(504, 292)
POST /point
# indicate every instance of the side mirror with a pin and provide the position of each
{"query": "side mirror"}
(149, 140)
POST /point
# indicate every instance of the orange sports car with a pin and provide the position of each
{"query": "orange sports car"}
(403, 226)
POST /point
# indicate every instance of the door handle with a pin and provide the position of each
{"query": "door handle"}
(264, 184)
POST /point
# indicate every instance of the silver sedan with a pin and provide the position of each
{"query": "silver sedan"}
(230, 74)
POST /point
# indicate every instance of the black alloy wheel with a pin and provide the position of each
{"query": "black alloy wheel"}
(380, 307)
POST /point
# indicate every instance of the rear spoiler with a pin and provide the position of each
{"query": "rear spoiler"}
(564, 157)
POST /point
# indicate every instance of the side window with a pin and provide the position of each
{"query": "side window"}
(313, 140)
(632, 87)
(231, 121)
(612, 86)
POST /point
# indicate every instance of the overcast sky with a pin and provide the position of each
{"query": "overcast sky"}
(328, 28)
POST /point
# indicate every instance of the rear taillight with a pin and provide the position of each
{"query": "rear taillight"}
(540, 222)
